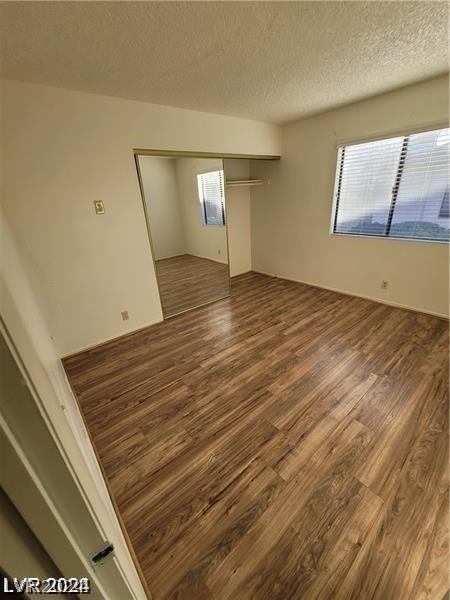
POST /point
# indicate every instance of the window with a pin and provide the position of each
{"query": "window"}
(211, 194)
(396, 187)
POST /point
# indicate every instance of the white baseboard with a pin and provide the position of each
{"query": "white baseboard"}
(222, 262)
(322, 287)
(347, 293)
(241, 273)
(109, 339)
(171, 256)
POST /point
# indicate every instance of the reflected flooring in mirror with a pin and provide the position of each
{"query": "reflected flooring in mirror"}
(187, 281)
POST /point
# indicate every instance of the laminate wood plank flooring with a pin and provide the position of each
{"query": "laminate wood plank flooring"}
(286, 442)
(188, 281)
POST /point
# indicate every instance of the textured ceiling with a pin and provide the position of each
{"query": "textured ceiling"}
(273, 61)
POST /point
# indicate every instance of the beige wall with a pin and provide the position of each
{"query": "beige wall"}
(15, 285)
(21, 316)
(239, 219)
(159, 181)
(291, 216)
(76, 148)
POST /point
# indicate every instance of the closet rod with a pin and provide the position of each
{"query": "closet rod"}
(242, 182)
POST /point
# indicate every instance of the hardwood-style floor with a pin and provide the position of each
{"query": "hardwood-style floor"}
(284, 443)
(187, 281)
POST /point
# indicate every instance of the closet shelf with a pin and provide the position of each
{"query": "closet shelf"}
(247, 182)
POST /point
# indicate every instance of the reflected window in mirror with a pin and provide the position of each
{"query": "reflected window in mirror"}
(211, 195)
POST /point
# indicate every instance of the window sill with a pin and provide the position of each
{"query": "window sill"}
(389, 238)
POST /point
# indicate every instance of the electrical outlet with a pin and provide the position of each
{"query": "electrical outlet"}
(384, 284)
(99, 207)
(125, 315)
(219, 251)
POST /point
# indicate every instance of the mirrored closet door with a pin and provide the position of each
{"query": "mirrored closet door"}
(184, 202)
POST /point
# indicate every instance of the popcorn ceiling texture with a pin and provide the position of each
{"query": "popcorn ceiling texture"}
(271, 61)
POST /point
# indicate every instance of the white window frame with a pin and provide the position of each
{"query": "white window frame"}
(200, 198)
(373, 138)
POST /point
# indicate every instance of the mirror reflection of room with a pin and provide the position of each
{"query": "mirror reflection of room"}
(185, 206)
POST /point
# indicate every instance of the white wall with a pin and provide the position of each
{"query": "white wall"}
(23, 320)
(15, 285)
(237, 200)
(291, 216)
(207, 241)
(159, 181)
(63, 150)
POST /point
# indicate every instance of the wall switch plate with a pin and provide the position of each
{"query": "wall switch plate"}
(125, 315)
(99, 207)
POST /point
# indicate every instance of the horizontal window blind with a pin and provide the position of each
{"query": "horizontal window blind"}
(397, 187)
(211, 193)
